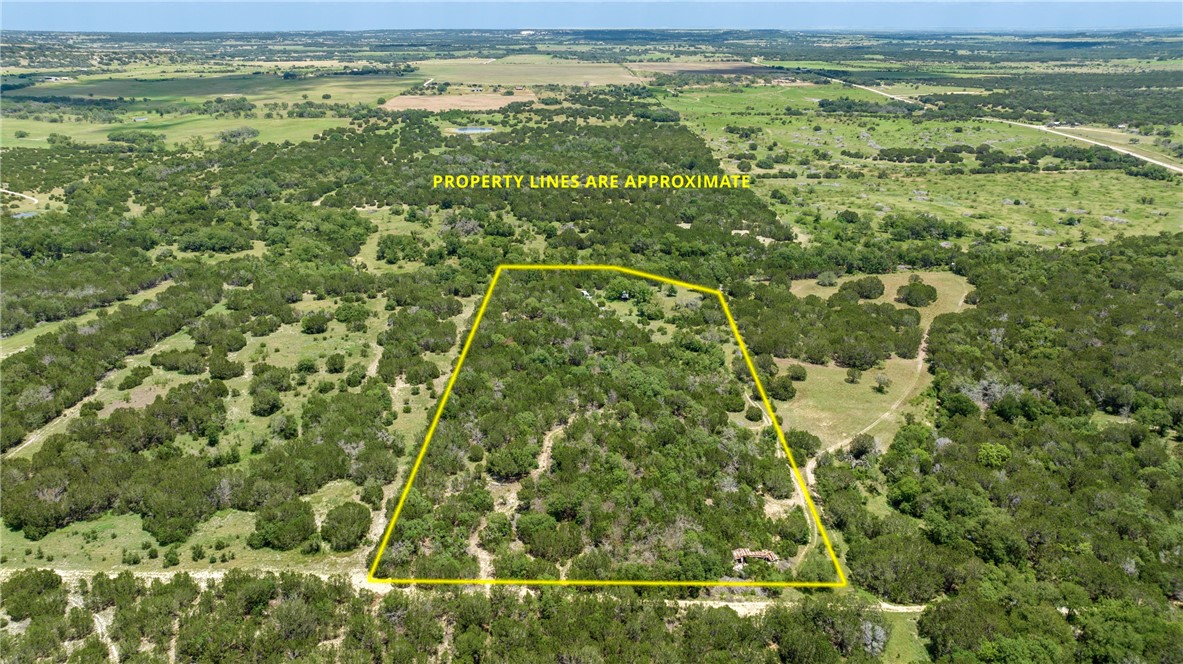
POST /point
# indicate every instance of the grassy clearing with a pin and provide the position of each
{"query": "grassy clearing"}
(88, 545)
(904, 644)
(98, 545)
(1107, 203)
(390, 224)
(285, 348)
(108, 393)
(704, 103)
(950, 289)
(835, 410)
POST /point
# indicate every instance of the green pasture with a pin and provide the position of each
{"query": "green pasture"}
(176, 129)
(196, 87)
(1035, 207)
(721, 102)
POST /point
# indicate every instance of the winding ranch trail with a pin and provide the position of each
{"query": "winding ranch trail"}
(17, 193)
(74, 410)
(505, 497)
(102, 620)
(810, 465)
(773, 507)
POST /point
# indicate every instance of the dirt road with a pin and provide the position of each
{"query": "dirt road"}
(24, 196)
(1168, 166)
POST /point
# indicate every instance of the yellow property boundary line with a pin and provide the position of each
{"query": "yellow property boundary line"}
(840, 583)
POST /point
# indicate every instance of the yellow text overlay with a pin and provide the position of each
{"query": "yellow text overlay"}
(678, 181)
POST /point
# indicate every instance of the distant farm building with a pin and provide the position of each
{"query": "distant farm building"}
(744, 555)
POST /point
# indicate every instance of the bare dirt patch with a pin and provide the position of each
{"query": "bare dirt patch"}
(137, 398)
(473, 102)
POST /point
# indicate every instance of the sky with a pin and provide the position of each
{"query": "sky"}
(855, 15)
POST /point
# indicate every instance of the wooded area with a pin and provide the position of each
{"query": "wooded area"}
(226, 354)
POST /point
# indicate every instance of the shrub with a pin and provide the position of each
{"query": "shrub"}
(335, 364)
(345, 526)
(371, 494)
(781, 388)
(135, 378)
(916, 293)
(33, 592)
(316, 322)
(283, 526)
(866, 288)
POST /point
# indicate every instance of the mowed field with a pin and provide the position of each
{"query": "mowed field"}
(734, 67)
(524, 70)
(196, 87)
(479, 101)
(706, 102)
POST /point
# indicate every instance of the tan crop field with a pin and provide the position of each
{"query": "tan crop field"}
(468, 102)
(701, 67)
(525, 70)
